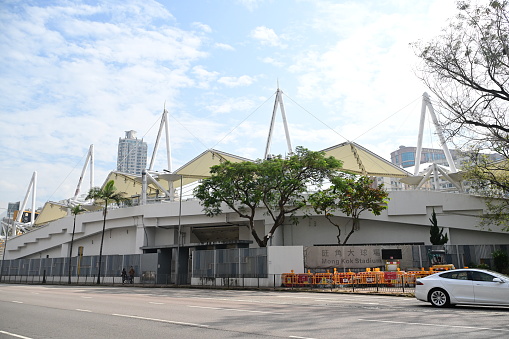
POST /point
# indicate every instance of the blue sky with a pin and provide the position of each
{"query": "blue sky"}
(75, 73)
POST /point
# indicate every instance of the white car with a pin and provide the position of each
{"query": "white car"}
(464, 286)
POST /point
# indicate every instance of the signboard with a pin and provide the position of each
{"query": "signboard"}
(343, 256)
(11, 208)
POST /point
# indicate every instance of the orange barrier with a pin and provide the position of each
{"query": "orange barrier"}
(389, 278)
(322, 278)
(370, 278)
(344, 278)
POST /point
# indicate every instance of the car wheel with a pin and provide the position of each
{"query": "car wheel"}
(439, 298)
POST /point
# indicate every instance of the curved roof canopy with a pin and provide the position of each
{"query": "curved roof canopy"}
(359, 160)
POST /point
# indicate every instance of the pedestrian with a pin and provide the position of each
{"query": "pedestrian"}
(131, 275)
(124, 275)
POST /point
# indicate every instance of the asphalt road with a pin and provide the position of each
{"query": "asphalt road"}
(34, 311)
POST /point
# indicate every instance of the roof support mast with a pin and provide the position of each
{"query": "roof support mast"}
(279, 100)
(162, 127)
(426, 102)
(452, 176)
(31, 186)
(148, 176)
(89, 160)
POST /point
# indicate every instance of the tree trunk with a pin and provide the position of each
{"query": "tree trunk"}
(339, 234)
(70, 251)
(102, 241)
(355, 222)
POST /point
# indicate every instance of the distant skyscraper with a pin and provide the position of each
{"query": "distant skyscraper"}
(132, 154)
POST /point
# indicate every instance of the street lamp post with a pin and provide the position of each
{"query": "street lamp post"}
(178, 235)
(6, 230)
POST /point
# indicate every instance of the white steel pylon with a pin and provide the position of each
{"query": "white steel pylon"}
(89, 160)
(150, 175)
(279, 100)
(435, 169)
(164, 126)
(31, 186)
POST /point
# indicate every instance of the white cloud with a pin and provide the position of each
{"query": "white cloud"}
(272, 61)
(84, 82)
(229, 105)
(250, 4)
(266, 36)
(244, 80)
(225, 47)
(201, 26)
(204, 77)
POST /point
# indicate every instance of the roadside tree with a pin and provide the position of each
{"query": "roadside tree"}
(105, 196)
(467, 69)
(350, 195)
(279, 185)
(75, 210)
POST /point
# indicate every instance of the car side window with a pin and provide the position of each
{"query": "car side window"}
(481, 276)
(462, 275)
(448, 275)
(456, 275)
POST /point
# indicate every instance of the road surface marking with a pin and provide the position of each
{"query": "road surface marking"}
(153, 302)
(80, 310)
(436, 325)
(159, 320)
(232, 309)
(86, 297)
(17, 302)
(15, 335)
(296, 337)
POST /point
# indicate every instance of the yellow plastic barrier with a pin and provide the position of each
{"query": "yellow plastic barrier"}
(370, 278)
(322, 278)
(344, 278)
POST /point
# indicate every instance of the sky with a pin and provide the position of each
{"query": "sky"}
(77, 73)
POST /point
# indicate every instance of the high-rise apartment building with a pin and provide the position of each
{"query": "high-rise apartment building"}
(132, 154)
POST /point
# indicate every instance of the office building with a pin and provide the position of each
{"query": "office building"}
(405, 156)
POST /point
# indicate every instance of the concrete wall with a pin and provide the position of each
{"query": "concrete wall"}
(284, 259)
(128, 229)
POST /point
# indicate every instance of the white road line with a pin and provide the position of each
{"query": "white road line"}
(160, 320)
(232, 309)
(296, 337)
(80, 310)
(436, 325)
(86, 297)
(17, 302)
(154, 303)
(15, 335)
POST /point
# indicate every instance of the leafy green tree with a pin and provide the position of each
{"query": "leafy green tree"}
(350, 195)
(75, 210)
(105, 196)
(500, 261)
(467, 69)
(437, 236)
(279, 185)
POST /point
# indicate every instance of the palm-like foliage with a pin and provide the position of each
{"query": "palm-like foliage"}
(105, 196)
(75, 210)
